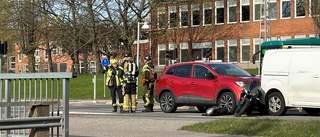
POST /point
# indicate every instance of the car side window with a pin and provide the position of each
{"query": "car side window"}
(200, 71)
(183, 71)
(171, 71)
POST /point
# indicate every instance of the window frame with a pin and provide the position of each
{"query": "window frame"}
(241, 7)
(255, 2)
(195, 7)
(228, 11)
(230, 44)
(295, 9)
(221, 6)
(161, 47)
(206, 6)
(161, 11)
(281, 10)
(244, 42)
(219, 44)
(273, 2)
(172, 9)
(12, 62)
(183, 8)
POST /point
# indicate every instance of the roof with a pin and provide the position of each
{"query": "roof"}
(278, 44)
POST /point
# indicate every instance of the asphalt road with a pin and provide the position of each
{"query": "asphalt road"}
(89, 119)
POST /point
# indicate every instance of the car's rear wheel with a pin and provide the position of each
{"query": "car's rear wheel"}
(202, 109)
(167, 103)
(276, 104)
(228, 101)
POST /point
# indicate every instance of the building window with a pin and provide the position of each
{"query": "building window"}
(195, 15)
(219, 52)
(285, 9)
(285, 37)
(273, 9)
(245, 50)
(207, 13)
(45, 55)
(19, 56)
(92, 66)
(245, 11)
(25, 69)
(184, 52)
(256, 47)
(219, 12)
(299, 8)
(232, 50)
(232, 11)
(173, 48)
(161, 18)
(62, 51)
(172, 16)
(161, 54)
(54, 51)
(257, 10)
(12, 63)
(300, 36)
(36, 68)
(37, 52)
(184, 15)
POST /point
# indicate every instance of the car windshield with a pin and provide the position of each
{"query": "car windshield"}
(229, 70)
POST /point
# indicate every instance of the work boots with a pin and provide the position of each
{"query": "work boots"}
(121, 109)
(114, 109)
(149, 108)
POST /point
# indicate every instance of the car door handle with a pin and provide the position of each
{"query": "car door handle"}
(316, 76)
(193, 83)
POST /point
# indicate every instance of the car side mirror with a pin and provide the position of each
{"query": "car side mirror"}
(210, 76)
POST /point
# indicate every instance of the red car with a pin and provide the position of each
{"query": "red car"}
(201, 84)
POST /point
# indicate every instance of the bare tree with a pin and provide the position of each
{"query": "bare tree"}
(315, 13)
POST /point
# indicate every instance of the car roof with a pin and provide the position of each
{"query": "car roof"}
(196, 62)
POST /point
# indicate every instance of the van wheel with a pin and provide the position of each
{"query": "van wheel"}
(227, 100)
(168, 103)
(276, 104)
(312, 111)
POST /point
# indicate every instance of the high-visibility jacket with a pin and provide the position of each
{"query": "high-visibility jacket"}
(114, 76)
(148, 73)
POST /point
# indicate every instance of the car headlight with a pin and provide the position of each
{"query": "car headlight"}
(239, 83)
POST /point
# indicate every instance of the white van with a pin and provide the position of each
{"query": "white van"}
(291, 78)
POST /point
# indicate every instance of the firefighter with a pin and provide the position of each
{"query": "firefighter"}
(148, 77)
(114, 82)
(131, 72)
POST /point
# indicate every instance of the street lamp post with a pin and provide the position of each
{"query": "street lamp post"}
(145, 26)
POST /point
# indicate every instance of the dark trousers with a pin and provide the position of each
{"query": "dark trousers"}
(130, 88)
(113, 90)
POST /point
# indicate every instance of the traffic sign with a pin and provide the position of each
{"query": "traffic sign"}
(104, 62)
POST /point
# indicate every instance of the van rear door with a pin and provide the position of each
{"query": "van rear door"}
(304, 78)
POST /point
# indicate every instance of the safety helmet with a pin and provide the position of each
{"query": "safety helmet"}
(127, 54)
(147, 57)
(112, 61)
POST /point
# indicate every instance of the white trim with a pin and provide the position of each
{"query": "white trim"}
(256, 2)
(172, 46)
(206, 6)
(161, 47)
(200, 45)
(285, 37)
(299, 36)
(19, 56)
(273, 2)
(12, 62)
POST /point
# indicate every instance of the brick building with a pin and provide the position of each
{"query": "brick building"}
(230, 29)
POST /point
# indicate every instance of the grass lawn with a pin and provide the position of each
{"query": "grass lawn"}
(251, 126)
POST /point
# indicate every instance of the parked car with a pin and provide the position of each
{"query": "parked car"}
(201, 84)
(291, 78)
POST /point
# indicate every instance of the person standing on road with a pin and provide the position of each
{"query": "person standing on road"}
(131, 72)
(148, 77)
(114, 81)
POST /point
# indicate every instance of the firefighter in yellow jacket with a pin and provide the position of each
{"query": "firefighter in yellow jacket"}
(114, 82)
(131, 72)
(148, 77)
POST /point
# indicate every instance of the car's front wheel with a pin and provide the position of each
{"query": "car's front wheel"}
(167, 103)
(228, 101)
(276, 104)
